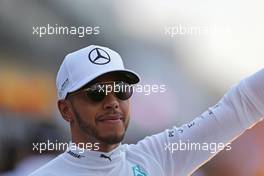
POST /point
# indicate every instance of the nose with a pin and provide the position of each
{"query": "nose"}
(111, 102)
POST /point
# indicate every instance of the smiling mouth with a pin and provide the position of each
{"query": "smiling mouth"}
(111, 119)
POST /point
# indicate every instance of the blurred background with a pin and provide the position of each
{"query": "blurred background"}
(198, 49)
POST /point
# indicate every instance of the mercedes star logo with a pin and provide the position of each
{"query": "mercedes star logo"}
(99, 56)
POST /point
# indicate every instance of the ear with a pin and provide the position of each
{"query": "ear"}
(64, 107)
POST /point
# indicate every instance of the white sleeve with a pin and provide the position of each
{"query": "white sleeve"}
(240, 108)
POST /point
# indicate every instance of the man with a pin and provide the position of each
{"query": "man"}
(92, 100)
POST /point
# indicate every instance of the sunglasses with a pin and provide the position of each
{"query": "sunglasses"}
(98, 91)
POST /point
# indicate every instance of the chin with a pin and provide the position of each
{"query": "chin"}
(112, 138)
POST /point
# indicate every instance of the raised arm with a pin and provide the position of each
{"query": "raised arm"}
(240, 108)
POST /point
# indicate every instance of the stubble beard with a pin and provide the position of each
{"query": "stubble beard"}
(92, 132)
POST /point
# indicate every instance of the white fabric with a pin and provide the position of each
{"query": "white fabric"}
(240, 108)
(82, 66)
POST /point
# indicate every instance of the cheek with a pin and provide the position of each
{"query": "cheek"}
(89, 112)
(125, 107)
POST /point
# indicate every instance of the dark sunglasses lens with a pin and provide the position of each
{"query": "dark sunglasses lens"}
(125, 92)
(95, 95)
